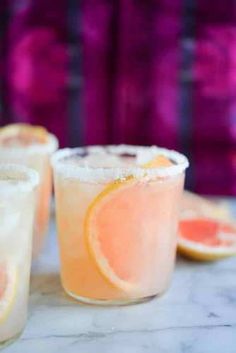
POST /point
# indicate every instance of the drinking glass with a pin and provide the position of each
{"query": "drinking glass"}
(117, 221)
(37, 156)
(17, 204)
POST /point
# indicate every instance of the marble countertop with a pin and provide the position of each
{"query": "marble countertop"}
(196, 315)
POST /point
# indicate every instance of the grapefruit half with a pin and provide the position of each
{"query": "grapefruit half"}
(206, 239)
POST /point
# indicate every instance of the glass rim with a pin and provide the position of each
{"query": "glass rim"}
(37, 148)
(16, 170)
(145, 153)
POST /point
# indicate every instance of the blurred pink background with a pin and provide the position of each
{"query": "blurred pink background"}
(138, 72)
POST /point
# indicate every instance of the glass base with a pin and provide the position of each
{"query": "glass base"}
(9, 341)
(108, 302)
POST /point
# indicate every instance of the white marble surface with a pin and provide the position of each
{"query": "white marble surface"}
(197, 315)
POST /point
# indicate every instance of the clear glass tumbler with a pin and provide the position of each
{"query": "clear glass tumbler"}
(117, 211)
(18, 186)
(36, 155)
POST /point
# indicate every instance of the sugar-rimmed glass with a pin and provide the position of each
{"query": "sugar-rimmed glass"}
(117, 221)
(18, 186)
(36, 156)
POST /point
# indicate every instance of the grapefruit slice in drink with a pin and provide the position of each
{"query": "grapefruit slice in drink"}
(158, 162)
(15, 135)
(206, 239)
(8, 288)
(117, 239)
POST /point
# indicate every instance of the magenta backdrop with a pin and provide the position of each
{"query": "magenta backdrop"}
(142, 72)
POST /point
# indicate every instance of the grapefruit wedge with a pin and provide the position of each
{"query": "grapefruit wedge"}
(22, 135)
(158, 162)
(206, 239)
(114, 236)
(117, 240)
(8, 288)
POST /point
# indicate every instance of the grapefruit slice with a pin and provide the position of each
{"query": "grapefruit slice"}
(117, 242)
(158, 162)
(206, 239)
(8, 288)
(22, 135)
(111, 235)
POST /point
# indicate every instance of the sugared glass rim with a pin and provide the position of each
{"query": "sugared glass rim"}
(143, 154)
(17, 172)
(37, 148)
